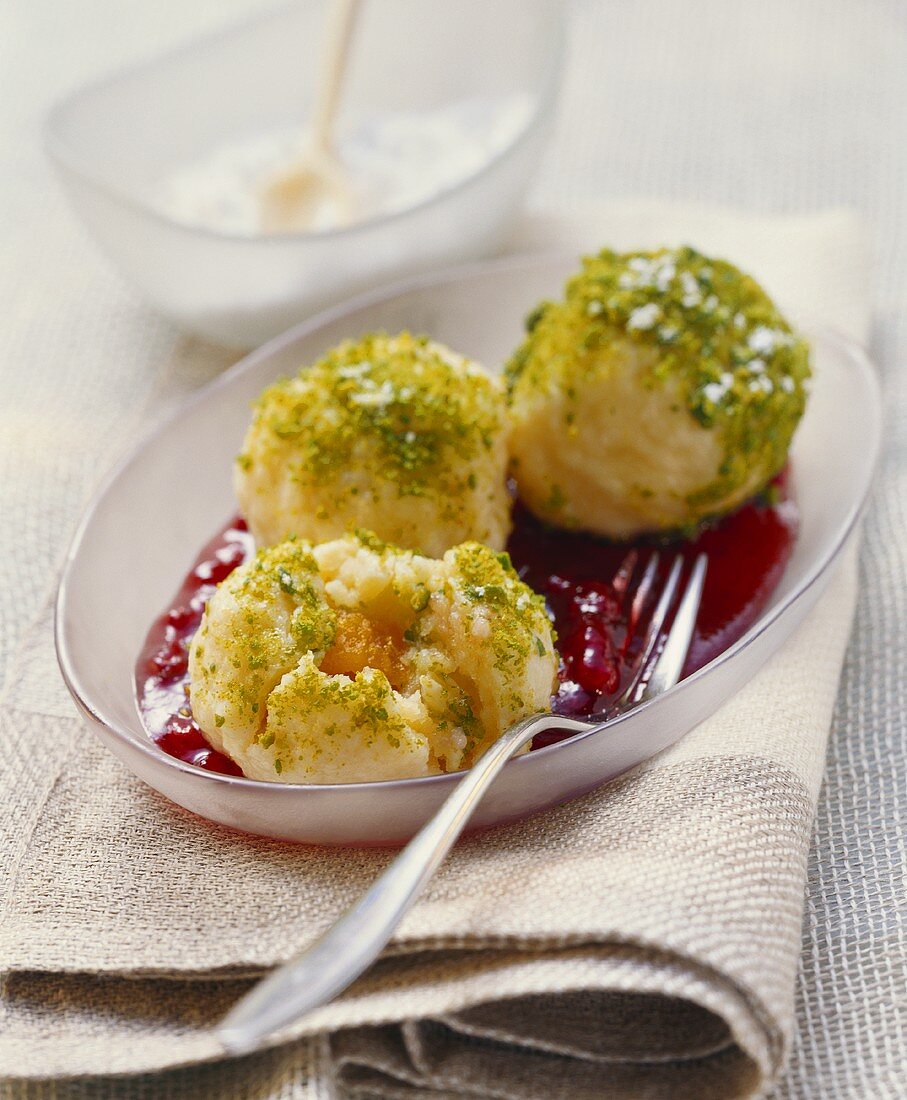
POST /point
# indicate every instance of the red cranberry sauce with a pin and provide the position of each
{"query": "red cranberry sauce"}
(587, 582)
(162, 671)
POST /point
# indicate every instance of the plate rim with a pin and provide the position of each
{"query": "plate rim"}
(145, 745)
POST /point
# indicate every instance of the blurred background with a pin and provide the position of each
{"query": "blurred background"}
(771, 105)
(766, 105)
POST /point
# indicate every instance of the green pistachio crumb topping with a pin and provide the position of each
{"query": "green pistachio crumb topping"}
(515, 615)
(738, 365)
(280, 583)
(367, 698)
(425, 414)
(371, 541)
(276, 625)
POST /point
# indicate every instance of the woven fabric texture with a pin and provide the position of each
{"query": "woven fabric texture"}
(677, 890)
(669, 100)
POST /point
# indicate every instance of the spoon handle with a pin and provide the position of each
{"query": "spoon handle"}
(348, 947)
(341, 21)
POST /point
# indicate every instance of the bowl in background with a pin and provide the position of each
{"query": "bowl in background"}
(112, 140)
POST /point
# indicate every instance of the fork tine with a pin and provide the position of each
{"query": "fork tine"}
(656, 623)
(343, 952)
(623, 578)
(653, 631)
(641, 595)
(669, 665)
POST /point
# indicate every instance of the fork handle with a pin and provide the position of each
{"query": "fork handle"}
(352, 944)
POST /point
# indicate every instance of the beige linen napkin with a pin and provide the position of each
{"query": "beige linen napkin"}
(642, 940)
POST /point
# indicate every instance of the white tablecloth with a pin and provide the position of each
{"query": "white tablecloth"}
(767, 105)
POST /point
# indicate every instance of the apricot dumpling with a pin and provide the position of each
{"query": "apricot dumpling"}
(396, 434)
(663, 388)
(354, 661)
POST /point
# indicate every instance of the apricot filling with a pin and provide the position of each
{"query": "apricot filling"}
(356, 661)
(360, 643)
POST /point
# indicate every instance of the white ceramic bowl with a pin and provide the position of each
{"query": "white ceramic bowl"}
(157, 509)
(111, 140)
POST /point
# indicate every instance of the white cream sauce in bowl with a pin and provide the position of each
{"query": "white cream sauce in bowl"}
(160, 160)
(395, 161)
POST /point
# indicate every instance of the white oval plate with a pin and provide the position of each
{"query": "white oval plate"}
(174, 491)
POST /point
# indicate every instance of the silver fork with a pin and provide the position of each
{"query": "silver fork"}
(317, 974)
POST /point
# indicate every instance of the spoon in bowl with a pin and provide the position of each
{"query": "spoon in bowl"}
(317, 184)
